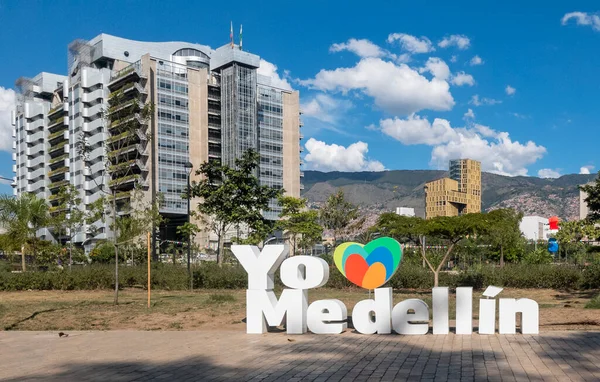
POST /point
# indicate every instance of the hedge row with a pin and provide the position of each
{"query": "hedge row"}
(211, 276)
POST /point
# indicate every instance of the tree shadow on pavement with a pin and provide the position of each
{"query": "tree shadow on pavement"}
(354, 357)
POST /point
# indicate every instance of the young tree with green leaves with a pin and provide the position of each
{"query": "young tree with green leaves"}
(69, 217)
(22, 217)
(502, 229)
(445, 230)
(593, 199)
(300, 226)
(337, 214)
(231, 196)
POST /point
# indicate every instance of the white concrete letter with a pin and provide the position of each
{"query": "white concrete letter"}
(464, 310)
(324, 316)
(304, 272)
(263, 309)
(260, 266)
(529, 310)
(440, 310)
(362, 317)
(411, 323)
(487, 316)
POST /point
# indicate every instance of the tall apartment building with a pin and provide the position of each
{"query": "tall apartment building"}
(206, 105)
(459, 194)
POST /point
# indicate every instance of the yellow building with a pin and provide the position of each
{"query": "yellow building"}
(457, 195)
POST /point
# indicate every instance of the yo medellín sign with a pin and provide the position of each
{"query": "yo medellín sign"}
(369, 266)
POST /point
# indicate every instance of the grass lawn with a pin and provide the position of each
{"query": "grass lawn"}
(225, 309)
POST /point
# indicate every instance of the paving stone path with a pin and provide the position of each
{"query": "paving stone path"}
(235, 356)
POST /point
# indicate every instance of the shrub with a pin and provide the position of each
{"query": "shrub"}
(593, 303)
(212, 276)
(538, 256)
(220, 298)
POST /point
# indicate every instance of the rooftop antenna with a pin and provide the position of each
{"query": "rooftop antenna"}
(241, 37)
(231, 35)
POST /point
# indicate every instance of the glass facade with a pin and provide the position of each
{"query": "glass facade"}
(172, 135)
(238, 112)
(270, 127)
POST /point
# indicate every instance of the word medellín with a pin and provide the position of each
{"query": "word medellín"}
(370, 316)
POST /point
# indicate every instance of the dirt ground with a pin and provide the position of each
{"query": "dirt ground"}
(225, 309)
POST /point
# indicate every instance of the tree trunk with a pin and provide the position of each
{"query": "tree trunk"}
(23, 259)
(220, 249)
(436, 278)
(116, 302)
(501, 256)
(70, 251)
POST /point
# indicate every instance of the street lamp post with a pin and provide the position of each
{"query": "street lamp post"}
(189, 167)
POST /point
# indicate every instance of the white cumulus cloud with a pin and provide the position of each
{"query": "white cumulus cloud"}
(460, 41)
(469, 114)
(462, 78)
(582, 18)
(396, 88)
(548, 173)
(362, 48)
(497, 152)
(270, 70)
(437, 67)
(476, 60)
(510, 90)
(333, 157)
(411, 43)
(586, 170)
(7, 104)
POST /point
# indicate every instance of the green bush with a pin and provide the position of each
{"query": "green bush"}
(209, 275)
(538, 256)
(593, 303)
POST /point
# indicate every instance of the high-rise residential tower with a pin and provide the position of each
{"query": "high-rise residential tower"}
(459, 194)
(205, 105)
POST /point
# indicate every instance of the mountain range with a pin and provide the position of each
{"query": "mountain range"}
(377, 192)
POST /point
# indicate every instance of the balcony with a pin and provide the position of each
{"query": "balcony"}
(125, 180)
(59, 134)
(134, 104)
(59, 108)
(124, 166)
(121, 195)
(57, 185)
(126, 150)
(128, 137)
(301, 174)
(128, 74)
(58, 122)
(130, 118)
(58, 171)
(58, 147)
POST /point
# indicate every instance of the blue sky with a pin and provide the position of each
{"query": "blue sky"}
(384, 84)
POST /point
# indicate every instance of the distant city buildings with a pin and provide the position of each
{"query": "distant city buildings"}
(405, 211)
(535, 228)
(457, 195)
(208, 104)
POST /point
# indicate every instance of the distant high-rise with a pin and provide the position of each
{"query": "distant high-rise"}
(207, 105)
(459, 194)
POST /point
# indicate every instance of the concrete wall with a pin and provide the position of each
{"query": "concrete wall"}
(291, 143)
(198, 135)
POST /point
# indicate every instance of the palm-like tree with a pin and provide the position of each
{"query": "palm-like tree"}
(22, 217)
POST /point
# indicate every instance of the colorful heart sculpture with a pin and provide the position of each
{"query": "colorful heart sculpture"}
(369, 266)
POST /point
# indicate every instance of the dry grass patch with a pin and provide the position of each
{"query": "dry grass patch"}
(225, 309)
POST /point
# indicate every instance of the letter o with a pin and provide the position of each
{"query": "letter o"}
(304, 272)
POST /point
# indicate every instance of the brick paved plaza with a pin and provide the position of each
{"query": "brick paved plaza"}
(229, 355)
